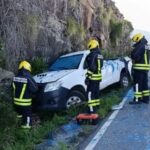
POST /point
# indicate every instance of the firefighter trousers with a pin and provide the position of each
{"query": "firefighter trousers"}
(93, 95)
(141, 90)
(26, 113)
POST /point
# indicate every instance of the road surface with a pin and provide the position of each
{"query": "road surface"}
(126, 129)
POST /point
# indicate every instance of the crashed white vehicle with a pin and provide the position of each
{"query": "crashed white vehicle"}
(63, 84)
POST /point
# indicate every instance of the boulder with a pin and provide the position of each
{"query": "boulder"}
(6, 76)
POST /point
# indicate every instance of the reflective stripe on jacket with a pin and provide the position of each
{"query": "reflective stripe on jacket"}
(145, 66)
(94, 64)
(140, 56)
(23, 87)
(95, 76)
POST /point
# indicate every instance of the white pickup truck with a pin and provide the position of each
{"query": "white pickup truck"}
(63, 84)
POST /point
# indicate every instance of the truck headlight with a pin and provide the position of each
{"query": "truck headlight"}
(52, 86)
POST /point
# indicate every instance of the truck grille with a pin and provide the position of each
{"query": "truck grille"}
(41, 87)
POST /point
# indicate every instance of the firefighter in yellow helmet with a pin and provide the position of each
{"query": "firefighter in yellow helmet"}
(23, 88)
(94, 63)
(140, 60)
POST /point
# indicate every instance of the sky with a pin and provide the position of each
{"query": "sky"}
(136, 11)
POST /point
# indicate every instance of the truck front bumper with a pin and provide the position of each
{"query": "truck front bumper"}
(52, 100)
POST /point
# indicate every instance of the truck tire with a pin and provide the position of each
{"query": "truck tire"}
(75, 97)
(124, 80)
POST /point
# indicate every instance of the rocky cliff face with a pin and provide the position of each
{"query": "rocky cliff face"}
(48, 28)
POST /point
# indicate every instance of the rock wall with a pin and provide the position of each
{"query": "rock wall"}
(48, 28)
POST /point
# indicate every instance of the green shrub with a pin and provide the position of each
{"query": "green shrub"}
(38, 65)
(72, 26)
(74, 30)
(116, 31)
(112, 54)
(32, 22)
(106, 16)
(72, 3)
(129, 24)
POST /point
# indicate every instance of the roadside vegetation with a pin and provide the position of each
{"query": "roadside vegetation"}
(14, 138)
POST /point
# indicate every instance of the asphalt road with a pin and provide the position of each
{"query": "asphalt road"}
(128, 130)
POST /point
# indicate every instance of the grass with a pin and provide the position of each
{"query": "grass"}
(14, 138)
(108, 100)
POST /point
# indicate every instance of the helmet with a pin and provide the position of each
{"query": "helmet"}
(26, 65)
(93, 44)
(137, 37)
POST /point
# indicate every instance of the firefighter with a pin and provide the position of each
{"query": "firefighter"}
(140, 60)
(94, 63)
(23, 88)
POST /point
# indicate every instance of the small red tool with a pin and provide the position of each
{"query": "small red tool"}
(84, 118)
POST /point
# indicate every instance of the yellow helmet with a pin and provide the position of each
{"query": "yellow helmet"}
(137, 37)
(93, 44)
(26, 65)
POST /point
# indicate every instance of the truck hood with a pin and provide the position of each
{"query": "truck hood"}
(51, 76)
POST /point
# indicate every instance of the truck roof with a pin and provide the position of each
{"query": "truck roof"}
(76, 53)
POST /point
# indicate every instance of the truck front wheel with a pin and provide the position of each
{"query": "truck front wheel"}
(75, 97)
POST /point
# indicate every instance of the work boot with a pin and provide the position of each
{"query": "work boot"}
(25, 126)
(26, 123)
(19, 116)
(134, 102)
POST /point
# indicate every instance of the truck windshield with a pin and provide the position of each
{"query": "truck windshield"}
(68, 62)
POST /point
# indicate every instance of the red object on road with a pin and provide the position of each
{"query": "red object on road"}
(87, 118)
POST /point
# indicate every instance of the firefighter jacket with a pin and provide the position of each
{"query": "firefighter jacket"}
(23, 88)
(140, 56)
(94, 63)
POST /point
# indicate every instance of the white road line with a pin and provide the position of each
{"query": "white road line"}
(103, 129)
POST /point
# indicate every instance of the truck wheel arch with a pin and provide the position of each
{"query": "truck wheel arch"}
(79, 88)
(76, 93)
